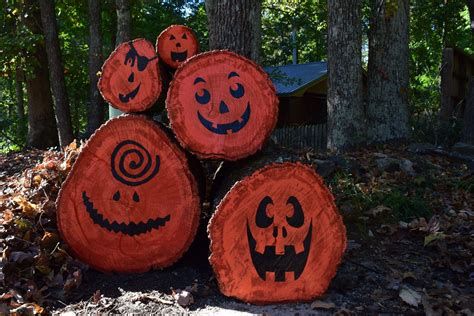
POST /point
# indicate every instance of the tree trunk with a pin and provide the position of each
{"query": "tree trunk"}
(56, 72)
(95, 114)
(235, 25)
(388, 80)
(345, 91)
(20, 103)
(123, 35)
(42, 132)
(468, 129)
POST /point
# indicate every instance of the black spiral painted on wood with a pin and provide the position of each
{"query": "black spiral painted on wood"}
(132, 163)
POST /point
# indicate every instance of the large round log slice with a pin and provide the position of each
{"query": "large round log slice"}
(130, 202)
(276, 236)
(221, 105)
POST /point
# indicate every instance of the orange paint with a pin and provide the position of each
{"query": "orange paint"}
(130, 79)
(176, 44)
(222, 105)
(130, 202)
(277, 236)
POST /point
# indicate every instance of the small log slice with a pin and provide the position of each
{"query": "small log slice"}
(276, 236)
(130, 79)
(176, 44)
(221, 105)
(130, 202)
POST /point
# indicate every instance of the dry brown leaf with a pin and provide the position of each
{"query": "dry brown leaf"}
(322, 305)
(29, 209)
(7, 217)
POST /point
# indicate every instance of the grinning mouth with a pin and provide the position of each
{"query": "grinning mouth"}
(130, 96)
(130, 229)
(175, 56)
(279, 264)
(223, 129)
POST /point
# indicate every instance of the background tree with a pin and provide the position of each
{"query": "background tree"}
(42, 132)
(346, 124)
(307, 18)
(388, 79)
(95, 115)
(235, 25)
(470, 6)
(122, 7)
(56, 72)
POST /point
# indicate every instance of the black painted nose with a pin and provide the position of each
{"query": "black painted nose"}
(223, 108)
(178, 44)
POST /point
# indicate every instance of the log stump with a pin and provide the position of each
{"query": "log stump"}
(176, 44)
(221, 106)
(276, 236)
(130, 202)
(130, 79)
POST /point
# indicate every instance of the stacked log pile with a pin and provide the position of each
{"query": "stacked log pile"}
(132, 200)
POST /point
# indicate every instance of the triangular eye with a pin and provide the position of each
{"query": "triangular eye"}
(184, 36)
(172, 37)
(116, 196)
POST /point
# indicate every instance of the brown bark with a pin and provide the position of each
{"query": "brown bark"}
(123, 34)
(388, 80)
(95, 113)
(42, 132)
(56, 72)
(447, 101)
(345, 99)
(468, 129)
(20, 103)
(235, 25)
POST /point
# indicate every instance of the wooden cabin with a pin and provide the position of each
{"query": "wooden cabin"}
(302, 90)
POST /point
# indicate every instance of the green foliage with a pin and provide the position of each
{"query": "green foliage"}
(404, 207)
(308, 18)
(433, 26)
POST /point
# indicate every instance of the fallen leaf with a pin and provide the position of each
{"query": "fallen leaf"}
(410, 296)
(322, 305)
(377, 210)
(28, 208)
(434, 236)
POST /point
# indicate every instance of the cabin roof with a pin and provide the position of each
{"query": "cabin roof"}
(289, 79)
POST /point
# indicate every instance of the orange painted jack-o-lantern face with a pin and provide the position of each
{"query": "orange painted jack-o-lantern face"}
(277, 229)
(219, 102)
(128, 198)
(130, 78)
(176, 44)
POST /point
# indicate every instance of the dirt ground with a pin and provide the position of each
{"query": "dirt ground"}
(408, 252)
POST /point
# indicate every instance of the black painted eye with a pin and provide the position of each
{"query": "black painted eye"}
(297, 219)
(204, 98)
(262, 219)
(239, 92)
(136, 198)
(116, 196)
(184, 36)
(172, 37)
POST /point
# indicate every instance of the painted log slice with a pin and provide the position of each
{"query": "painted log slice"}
(222, 105)
(130, 202)
(130, 79)
(277, 236)
(176, 44)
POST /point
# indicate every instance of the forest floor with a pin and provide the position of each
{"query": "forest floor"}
(410, 224)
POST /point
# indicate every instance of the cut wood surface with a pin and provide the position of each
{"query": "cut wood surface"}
(276, 236)
(130, 202)
(176, 44)
(130, 79)
(221, 105)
